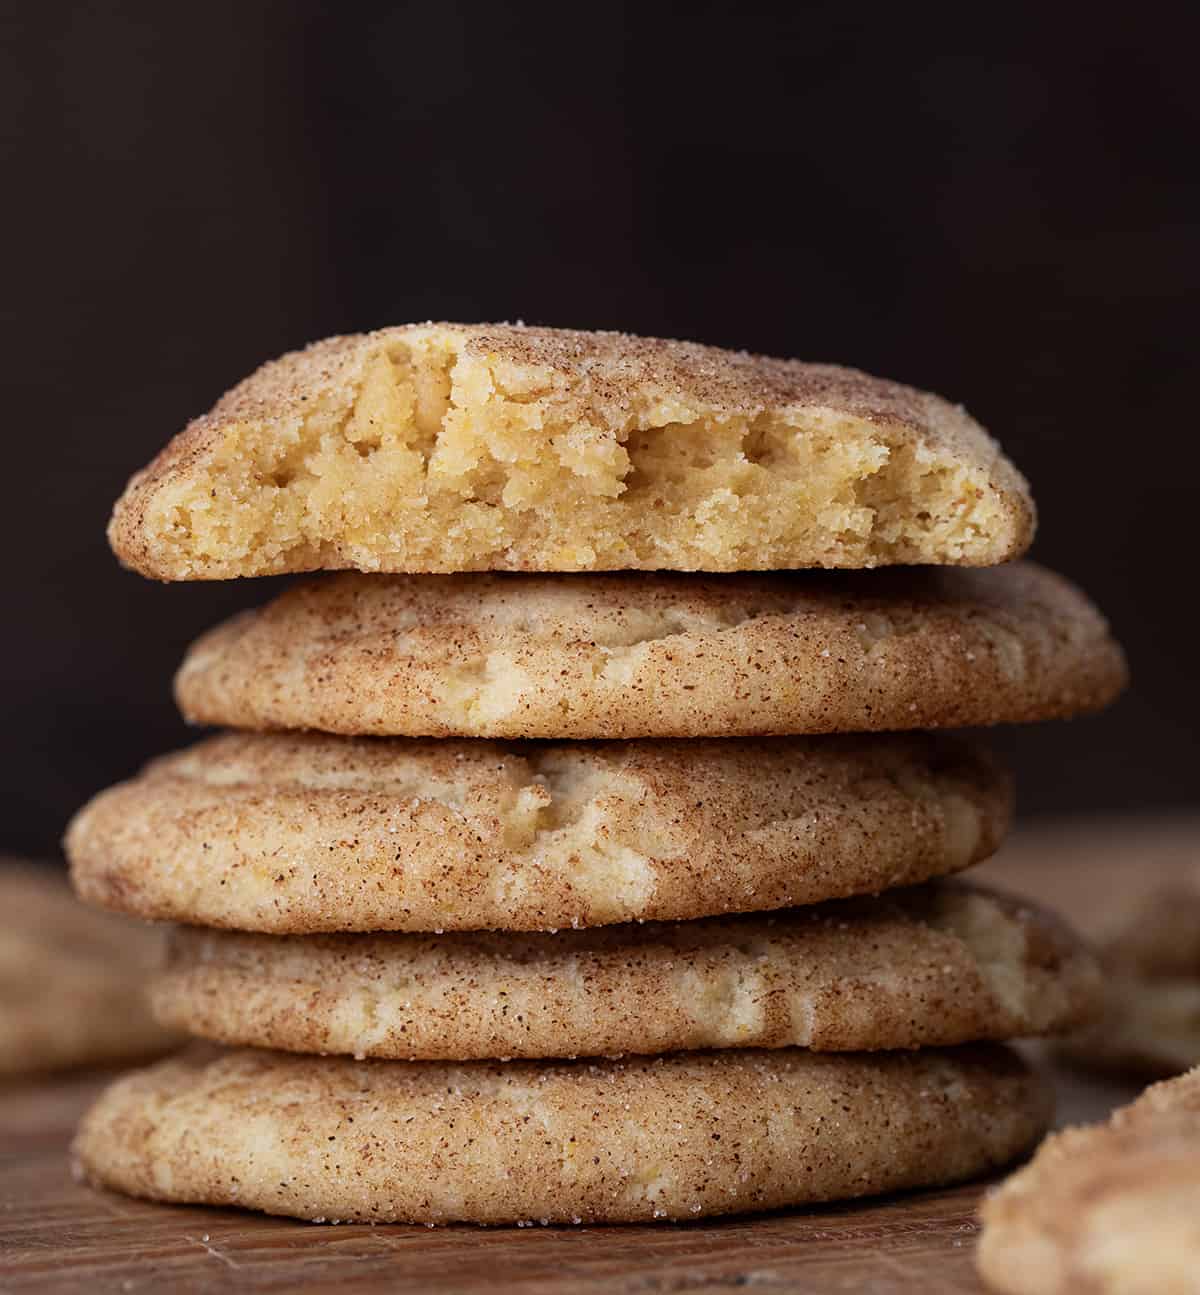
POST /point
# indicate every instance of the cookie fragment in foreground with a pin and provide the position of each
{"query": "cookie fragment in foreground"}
(1110, 1208)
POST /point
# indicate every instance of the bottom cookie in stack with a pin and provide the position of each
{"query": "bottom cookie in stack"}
(330, 1139)
(743, 1127)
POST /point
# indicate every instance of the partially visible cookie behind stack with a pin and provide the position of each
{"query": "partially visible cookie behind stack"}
(1132, 888)
(612, 946)
(72, 981)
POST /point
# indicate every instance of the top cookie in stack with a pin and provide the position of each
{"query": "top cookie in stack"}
(451, 447)
(353, 867)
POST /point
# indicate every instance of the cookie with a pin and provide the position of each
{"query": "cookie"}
(1112, 1208)
(633, 655)
(937, 965)
(1150, 1029)
(675, 1137)
(453, 447)
(296, 833)
(1133, 888)
(71, 980)
(1151, 1022)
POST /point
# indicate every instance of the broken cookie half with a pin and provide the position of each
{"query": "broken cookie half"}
(451, 447)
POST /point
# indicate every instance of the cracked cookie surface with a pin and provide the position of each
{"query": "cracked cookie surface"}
(657, 655)
(931, 966)
(452, 447)
(295, 833)
(676, 1137)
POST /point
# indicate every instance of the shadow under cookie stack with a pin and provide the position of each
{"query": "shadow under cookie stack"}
(559, 865)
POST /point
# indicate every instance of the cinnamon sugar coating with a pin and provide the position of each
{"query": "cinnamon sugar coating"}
(617, 1141)
(295, 833)
(1107, 1209)
(931, 966)
(454, 447)
(657, 655)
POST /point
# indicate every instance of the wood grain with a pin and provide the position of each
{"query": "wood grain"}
(57, 1235)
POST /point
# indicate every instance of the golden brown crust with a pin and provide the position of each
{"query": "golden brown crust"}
(657, 655)
(663, 1138)
(506, 435)
(71, 980)
(296, 833)
(1110, 1209)
(935, 966)
(621, 368)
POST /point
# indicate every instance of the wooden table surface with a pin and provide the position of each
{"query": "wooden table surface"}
(57, 1235)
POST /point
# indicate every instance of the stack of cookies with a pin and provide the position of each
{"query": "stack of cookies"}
(523, 892)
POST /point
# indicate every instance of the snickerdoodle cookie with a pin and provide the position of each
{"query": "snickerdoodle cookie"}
(457, 447)
(1151, 1023)
(676, 1137)
(71, 980)
(939, 964)
(296, 833)
(1108, 1209)
(1131, 886)
(657, 655)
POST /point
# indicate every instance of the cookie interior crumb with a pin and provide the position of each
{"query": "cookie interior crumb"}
(449, 448)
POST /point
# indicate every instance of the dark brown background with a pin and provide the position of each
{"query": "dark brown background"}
(1004, 211)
